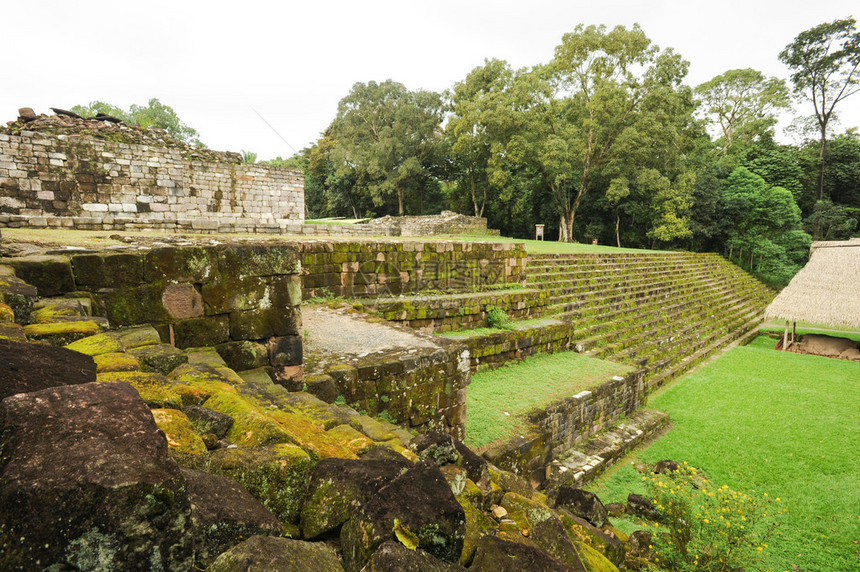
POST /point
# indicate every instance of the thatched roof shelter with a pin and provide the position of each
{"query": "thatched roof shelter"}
(826, 291)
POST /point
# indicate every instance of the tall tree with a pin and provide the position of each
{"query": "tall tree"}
(474, 128)
(592, 103)
(385, 138)
(825, 60)
(744, 103)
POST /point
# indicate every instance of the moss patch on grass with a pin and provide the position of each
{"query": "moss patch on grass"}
(497, 399)
(764, 421)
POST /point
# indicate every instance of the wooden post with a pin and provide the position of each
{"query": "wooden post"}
(785, 337)
(793, 332)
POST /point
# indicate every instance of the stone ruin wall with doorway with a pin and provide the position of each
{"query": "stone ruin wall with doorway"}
(76, 181)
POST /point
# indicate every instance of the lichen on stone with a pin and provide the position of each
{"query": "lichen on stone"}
(181, 436)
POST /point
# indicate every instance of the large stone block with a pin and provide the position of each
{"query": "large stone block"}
(285, 350)
(260, 324)
(52, 275)
(132, 306)
(86, 482)
(200, 332)
(108, 270)
(258, 260)
(181, 264)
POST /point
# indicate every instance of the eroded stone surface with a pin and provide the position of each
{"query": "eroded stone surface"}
(86, 479)
(281, 554)
(32, 367)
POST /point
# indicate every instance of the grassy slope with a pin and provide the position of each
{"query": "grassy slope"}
(496, 398)
(781, 423)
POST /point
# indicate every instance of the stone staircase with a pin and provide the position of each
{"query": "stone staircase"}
(659, 312)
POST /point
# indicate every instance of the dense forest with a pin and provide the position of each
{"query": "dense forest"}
(607, 142)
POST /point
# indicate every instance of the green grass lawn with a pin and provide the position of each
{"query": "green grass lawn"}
(496, 399)
(765, 421)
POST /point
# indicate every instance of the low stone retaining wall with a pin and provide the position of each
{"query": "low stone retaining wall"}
(557, 429)
(386, 269)
(242, 299)
(489, 351)
(446, 313)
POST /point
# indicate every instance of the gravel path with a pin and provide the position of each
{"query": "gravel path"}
(338, 332)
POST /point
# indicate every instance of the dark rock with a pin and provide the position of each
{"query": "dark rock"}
(243, 355)
(666, 466)
(105, 117)
(211, 441)
(639, 542)
(551, 536)
(510, 482)
(436, 447)
(606, 543)
(285, 350)
(51, 275)
(381, 452)
(28, 367)
(202, 332)
(223, 514)
(86, 481)
(581, 503)
(339, 487)
(614, 509)
(207, 420)
(323, 386)
(260, 553)
(422, 503)
(640, 506)
(497, 555)
(394, 557)
(476, 466)
(161, 358)
(108, 270)
(65, 112)
(26, 114)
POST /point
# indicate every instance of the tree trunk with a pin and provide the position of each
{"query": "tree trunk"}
(617, 236)
(400, 202)
(821, 165)
(562, 228)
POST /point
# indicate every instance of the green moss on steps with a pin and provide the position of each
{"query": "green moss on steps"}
(153, 388)
(62, 333)
(116, 361)
(351, 439)
(97, 345)
(181, 436)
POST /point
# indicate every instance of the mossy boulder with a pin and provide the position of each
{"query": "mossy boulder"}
(153, 388)
(19, 296)
(12, 333)
(500, 555)
(205, 420)
(579, 529)
(478, 525)
(7, 314)
(281, 554)
(353, 440)
(105, 343)
(61, 333)
(138, 336)
(161, 358)
(181, 436)
(420, 504)
(59, 311)
(594, 561)
(116, 361)
(198, 382)
(244, 355)
(395, 557)
(339, 487)
(277, 476)
(223, 514)
(581, 503)
(87, 483)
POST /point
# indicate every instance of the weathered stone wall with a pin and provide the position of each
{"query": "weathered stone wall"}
(424, 388)
(446, 222)
(383, 269)
(242, 299)
(76, 181)
(495, 350)
(459, 311)
(567, 423)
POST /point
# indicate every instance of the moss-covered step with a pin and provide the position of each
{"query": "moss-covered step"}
(61, 333)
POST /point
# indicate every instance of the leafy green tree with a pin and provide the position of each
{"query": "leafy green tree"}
(385, 139)
(154, 114)
(601, 98)
(825, 60)
(744, 103)
(475, 130)
(249, 157)
(764, 227)
(830, 221)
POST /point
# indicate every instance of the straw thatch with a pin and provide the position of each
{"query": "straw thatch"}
(826, 291)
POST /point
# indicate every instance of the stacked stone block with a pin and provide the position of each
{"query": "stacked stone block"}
(75, 181)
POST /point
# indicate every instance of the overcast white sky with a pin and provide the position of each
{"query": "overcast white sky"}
(293, 61)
